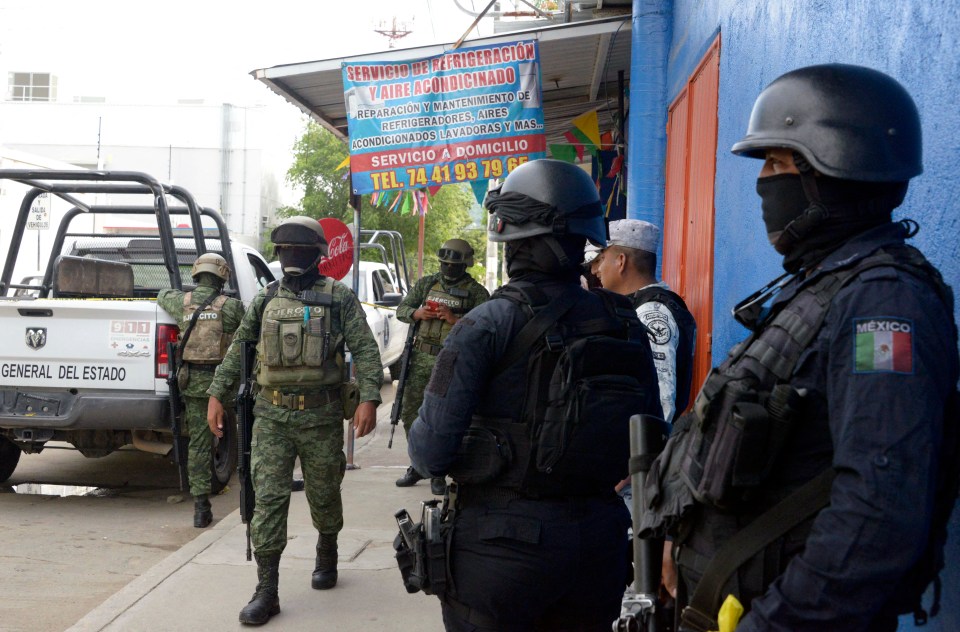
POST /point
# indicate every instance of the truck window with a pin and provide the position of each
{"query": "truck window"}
(377, 286)
(260, 271)
(384, 282)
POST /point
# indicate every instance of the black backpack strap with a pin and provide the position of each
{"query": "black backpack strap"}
(802, 503)
(272, 288)
(536, 328)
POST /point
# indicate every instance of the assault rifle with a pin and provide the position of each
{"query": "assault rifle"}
(176, 408)
(245, 397)
(648, 435)
(404, 376)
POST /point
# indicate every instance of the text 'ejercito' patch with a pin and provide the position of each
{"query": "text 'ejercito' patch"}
(882, 345)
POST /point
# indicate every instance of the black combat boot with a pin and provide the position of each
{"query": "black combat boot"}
(438, 486)
(266, 600)
(325, 574)
(411, 477)
(202, 512)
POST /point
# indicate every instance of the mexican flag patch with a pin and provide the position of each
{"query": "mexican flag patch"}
(883, 345)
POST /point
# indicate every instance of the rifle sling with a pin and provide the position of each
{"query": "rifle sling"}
(802, 503)
(178, 361)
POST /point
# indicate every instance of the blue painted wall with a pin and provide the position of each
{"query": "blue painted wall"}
(915, 41)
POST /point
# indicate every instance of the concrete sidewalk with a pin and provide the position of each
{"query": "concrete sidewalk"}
(204, 585)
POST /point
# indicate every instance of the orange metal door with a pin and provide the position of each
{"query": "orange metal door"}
(689, 212)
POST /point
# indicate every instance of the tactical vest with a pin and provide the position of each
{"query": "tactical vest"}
(688, 337)
(435, 331)
(744, 412)
(208, 343)
(296, 347)
(585, 378)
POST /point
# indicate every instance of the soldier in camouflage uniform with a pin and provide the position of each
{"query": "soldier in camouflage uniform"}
(301, 325)
(438, 301)
(205, 347)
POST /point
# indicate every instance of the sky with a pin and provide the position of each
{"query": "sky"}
(137, 52)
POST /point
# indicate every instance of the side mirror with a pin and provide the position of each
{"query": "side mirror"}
(390, 299)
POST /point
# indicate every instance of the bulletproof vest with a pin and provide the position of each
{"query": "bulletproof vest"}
(207, 343)
(747, 406)
(688, 338)
(585, 378)
(296, 347)
(435, 331)
(744, 411)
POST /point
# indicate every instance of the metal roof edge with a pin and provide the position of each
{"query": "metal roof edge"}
(547, 33)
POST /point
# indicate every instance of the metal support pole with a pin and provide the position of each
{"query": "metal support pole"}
(355, 203)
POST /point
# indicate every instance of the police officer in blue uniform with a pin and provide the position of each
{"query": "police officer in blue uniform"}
(860, 391)
(529, 550)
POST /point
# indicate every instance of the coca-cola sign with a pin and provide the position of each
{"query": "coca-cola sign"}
(339, 248)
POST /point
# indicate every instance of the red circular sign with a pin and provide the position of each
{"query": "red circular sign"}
(340, 248)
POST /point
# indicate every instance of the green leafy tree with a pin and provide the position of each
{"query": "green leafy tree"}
(326, 193)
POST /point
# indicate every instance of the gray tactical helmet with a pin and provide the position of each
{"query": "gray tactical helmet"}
(213, 263)
(299, 231)
(546, 197)
(849, 122)
(456, 251)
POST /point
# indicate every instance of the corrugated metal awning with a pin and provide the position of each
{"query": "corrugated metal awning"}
(579, 64)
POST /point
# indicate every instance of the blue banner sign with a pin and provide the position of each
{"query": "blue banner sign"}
(468, 114)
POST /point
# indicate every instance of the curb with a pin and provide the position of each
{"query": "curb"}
(125, 598)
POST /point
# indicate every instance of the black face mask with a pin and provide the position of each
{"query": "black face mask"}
(782, 200)
(452, 271)
(298, 261)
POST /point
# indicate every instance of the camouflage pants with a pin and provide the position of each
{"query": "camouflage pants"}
(421, 366)
(200, 452)
(274, 446)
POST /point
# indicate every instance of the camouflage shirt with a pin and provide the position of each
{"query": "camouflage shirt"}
(171, 301)
(415, 299)
(349, 321)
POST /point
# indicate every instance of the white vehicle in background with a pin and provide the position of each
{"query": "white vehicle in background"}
(380, 290)
(83, 343)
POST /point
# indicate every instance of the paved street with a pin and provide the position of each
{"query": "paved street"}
(62, 558)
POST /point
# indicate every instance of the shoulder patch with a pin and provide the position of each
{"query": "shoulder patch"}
(656, 321)
(882, 344)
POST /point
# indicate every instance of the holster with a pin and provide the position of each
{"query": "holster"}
(424, 567)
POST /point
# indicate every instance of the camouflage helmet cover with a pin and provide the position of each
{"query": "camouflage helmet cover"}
(213, 263)
(456, 251)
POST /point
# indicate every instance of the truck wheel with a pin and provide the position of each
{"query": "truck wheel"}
(224, 462)
(9, 457)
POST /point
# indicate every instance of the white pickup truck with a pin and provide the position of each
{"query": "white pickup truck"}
(83, 349)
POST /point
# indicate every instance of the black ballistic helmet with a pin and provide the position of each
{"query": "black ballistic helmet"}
(546, 197)
(457, 252)
(299, 231)
(849, 122)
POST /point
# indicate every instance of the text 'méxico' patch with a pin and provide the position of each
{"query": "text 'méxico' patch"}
(883, 345)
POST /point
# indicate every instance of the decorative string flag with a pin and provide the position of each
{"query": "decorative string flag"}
(479, 189)
(585, 134)
(403, 202)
